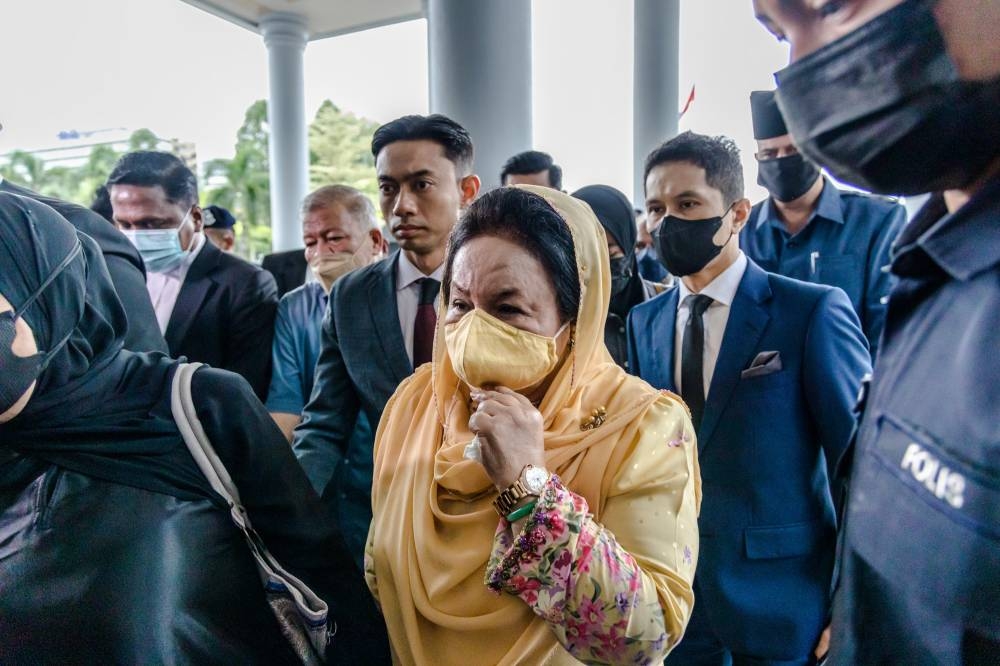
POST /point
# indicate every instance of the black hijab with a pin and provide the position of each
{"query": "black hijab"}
(616, 215)
(97, 409)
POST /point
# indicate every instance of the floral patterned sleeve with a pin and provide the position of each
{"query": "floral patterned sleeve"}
(619, 590)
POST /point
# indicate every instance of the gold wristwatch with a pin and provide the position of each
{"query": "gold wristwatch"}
(530, 481)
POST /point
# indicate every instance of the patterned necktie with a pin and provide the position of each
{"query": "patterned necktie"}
(423, 325)
(693, 358)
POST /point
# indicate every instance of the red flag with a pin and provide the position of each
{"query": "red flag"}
(687, 104)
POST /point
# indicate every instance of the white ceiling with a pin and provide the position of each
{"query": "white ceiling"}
(325, 18)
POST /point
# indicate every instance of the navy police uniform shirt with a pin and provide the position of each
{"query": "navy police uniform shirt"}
(845, 244)
(920, 565)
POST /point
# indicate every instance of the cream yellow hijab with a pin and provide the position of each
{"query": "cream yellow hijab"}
(433, 528)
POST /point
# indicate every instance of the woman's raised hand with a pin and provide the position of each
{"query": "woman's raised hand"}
(510, 434)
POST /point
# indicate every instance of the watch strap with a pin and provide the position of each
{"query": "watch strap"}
(509, 497)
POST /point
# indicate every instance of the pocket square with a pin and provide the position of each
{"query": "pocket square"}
(765, 363)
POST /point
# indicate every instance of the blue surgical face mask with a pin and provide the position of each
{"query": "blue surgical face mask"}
(160, 248)
(18, 373)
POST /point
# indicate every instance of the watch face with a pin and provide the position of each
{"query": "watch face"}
(535, 478)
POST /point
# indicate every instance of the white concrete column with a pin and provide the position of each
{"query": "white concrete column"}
(655, 81)
(480, 75)
(285, 36)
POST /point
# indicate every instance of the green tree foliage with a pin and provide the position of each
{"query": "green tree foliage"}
(340, 150)
(339, 153)
(241, 184)
(143, 139)
(73, 183)
(25, 169)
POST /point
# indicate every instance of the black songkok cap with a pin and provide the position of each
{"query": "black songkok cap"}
(767, 120)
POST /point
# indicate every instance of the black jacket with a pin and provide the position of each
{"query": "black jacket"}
(94, 571)
(288, 269)
(224, 316)
(124, 264)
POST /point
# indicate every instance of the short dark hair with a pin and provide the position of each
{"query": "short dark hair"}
(717, 155)
(528, 220)
(452, 137)
(149, 168)
(101, 204)
(532, 161)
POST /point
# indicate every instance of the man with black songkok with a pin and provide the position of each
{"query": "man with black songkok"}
(810, 230)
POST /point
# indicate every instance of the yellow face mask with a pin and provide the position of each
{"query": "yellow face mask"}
(328, 268)
(485, 351)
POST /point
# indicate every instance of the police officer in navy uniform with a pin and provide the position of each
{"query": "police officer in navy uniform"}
(904, 100)
(810, 230)
(218, 227)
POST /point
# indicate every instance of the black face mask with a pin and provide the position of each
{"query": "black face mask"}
(685, 246)
(882, 108)
(787, 178)
(20, 372)
(621, 273)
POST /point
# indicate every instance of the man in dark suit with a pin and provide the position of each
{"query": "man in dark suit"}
(770, 368)
(532, 167)
(124, 265)
(380, 321)
(289, 269)
(212, 307)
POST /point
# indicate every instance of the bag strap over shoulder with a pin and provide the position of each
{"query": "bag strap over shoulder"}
(182, 406)
(311, 607)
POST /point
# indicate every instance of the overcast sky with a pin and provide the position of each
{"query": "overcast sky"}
(183, 73)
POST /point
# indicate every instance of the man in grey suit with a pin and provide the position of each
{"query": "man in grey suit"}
(380, 322)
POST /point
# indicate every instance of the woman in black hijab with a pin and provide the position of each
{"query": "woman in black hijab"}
(113, 547)
(628, 289)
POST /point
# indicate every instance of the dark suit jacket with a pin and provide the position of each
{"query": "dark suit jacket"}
(362, 361)
(125, 266)
(288, 269)
(765, 443)
(224, 316)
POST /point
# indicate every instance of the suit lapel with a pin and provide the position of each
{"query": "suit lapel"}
(192, 295)
(748, 318)
(385, 317)
(661, 350)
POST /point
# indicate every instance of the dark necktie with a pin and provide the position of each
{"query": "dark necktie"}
(423, 325)
(693, 358)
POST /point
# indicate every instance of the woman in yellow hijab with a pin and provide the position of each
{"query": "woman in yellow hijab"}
(533, 504)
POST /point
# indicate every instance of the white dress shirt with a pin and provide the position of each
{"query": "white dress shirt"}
(722, 290)
(164, 287)
(408, 296)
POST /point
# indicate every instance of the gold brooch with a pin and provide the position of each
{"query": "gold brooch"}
(595, 420)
